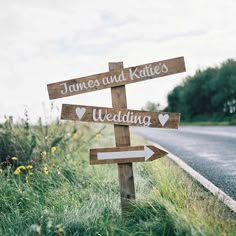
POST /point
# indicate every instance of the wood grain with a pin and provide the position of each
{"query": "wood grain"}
(132, 117)
(116, 77)
(122, 138)
(158, 153)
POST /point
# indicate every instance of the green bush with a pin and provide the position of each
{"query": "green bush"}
(208, 95)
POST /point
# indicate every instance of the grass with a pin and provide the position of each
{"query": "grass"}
(63, 195)
(209, 123)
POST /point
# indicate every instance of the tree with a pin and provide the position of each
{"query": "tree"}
(151, 106)
(208, 95)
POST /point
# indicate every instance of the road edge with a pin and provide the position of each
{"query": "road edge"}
(227, 200)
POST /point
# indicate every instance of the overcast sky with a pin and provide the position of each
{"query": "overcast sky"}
(49, 41)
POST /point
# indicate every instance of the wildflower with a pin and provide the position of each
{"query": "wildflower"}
(98, 136)
(59, 230)
(30, 173)
(21, 167)
(44, 155)
(19, 190)
(29, 167)
(14, 158)
(75, 136)
(17, 171)
(45, 170)
(27, 179)
(53, 149)
(1, 171)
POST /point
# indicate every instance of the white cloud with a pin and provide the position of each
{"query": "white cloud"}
(48, 41)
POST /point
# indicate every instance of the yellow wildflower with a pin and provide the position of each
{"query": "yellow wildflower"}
(29, 167)
(45, 170)
(75, 136)
(30, 173)
(53, 149)
(14, 158)
(98, 136)
(21, 167)
(1, 171)
(44, 155)
(27, 179)
(17, 171)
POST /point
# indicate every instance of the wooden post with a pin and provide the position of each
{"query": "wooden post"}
(122, 137)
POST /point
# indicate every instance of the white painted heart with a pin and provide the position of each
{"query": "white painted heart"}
(80, 112)
(163, 118)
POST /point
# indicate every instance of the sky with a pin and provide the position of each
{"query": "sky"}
(48, 41)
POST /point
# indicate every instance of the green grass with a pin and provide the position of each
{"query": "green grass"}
(207, 123)
(71, 197)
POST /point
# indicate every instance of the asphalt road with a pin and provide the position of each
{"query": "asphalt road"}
(209, 150)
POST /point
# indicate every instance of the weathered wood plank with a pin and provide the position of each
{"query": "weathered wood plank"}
(125, 154)
(122, 138)
(120, 116)
(115, 78)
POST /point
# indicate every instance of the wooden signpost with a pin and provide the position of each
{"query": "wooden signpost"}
(116, 79)
(120, 116)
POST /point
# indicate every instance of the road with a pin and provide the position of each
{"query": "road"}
(209, 150)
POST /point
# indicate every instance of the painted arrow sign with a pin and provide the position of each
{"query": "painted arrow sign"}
(116, 78)
(120, 116)
(125, 154)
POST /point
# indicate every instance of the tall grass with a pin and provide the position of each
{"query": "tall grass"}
(63, 195)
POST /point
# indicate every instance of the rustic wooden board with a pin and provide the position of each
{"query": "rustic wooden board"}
(125, 154)
(120, 116)
(122, 138)
(116, 77)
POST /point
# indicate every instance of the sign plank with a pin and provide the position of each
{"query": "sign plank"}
(122, 138)
(125, 154)
(120, 116)
(116, 78)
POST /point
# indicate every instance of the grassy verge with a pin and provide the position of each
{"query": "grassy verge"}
(208, 123)
(63, 195)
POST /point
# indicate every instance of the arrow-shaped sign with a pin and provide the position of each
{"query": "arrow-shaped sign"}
(146, 153)
(125, 154)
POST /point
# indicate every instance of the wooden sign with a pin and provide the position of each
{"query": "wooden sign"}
(125, 154)
(120, 116)
(116, 78)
